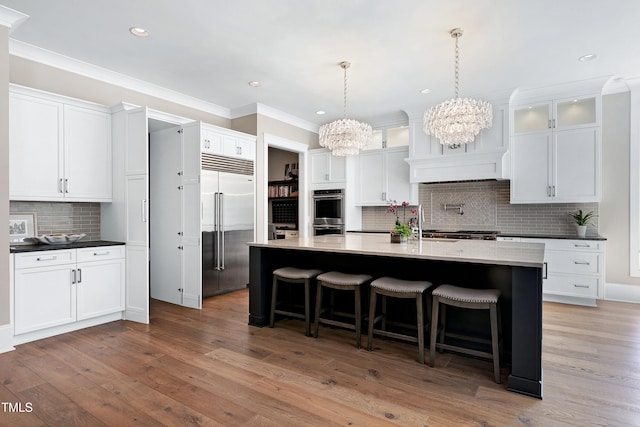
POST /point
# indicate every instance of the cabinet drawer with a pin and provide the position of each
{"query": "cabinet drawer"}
(45, 258)
(100, 253)
(574, 245)
(573, 262)
(571, 285)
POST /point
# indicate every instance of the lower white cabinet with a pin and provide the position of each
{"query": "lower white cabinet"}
(61, 287)
(574, 270)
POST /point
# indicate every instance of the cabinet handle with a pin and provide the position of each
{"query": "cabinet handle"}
(326, 177)
(143, 210)
(581, 286)
(548, 191)
(553, 123)
(238, 150)
(553, 192)
(73, 277)
(549, 124)
(578, 245)
(60, 189)
(546, 268)
(79, 276)
(66, 185)
(101, 253)
(581, 263)
(51, 258)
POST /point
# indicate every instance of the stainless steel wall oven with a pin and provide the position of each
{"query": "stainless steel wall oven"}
(328, 212)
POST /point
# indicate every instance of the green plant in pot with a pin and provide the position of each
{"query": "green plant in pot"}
(582, 220)
(401, 230)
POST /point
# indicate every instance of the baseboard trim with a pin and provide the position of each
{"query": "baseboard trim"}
(622, 292)
(6, 338)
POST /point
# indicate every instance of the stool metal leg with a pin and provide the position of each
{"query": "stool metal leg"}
(274, 292)
(307, 314)
(318, 306)
(434, 330)
(419, 318)
(358, 318)
(494, 342)
(372, 319)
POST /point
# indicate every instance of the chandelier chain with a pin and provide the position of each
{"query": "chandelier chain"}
(457, 67)
(344, 67)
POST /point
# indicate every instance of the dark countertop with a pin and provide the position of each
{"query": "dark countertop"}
(14, 249)
(530, 236)
(553, 236)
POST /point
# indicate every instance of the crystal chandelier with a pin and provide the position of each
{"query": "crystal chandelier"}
(345, 136)
(457, 121)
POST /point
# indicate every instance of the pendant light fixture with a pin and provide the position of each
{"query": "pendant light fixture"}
(457, 120)
(345, 136)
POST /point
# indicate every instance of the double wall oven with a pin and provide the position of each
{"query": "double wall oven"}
(328, 212)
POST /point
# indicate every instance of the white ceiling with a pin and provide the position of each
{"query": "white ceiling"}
(211, 49)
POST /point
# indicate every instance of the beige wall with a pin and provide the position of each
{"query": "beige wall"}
(4, 175)
(614, 208)
(43, 77)
(277, 161)
(247, 124)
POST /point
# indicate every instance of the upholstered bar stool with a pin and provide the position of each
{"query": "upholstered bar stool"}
(476, 299)
(343, 282)
(295, 276)
(396, 288)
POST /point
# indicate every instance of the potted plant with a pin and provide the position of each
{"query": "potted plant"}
(401, 230)
(582, 220)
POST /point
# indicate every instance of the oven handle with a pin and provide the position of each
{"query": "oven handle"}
(328, 197)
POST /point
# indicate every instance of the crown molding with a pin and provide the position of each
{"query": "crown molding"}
(11, 19)
(46, 57)
(274, 113)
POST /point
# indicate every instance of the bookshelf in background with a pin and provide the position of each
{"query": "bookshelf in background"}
(283, 189)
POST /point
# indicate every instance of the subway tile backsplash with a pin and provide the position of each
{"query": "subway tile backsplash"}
(62, 217)
(486, 207)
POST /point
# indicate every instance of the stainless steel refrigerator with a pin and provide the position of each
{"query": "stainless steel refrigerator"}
(227, 226)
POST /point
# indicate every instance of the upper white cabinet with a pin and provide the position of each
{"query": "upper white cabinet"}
(226, 142)
(60, 148)
(326, 168)
(556, 151)
(383, 175)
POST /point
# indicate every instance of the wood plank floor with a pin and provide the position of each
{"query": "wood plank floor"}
(208, 367)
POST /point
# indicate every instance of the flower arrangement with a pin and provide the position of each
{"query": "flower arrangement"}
(402, 228)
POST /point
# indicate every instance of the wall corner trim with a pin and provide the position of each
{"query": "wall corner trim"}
(6, 338)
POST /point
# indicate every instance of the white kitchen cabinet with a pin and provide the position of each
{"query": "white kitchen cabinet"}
(574, 270)
(327, 168)
(60, 148)
(226, 142)
(60, 287)
(100, 282)
(211, 142)
(239, 147)
(383, 176)
(556, 151)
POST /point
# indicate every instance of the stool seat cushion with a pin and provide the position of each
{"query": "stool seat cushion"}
(457, 293)
(296, 273)
(337, 278)
(401, 286)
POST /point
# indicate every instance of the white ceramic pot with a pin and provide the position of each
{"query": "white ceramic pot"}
(581, 230)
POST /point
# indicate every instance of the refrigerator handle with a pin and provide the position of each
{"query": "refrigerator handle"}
(222, 254)
(216, 230)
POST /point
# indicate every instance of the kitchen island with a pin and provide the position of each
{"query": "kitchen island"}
(514, 268)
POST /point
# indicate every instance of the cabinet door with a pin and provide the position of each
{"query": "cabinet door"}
(137, 147)
(371, 183)
(532, 118)
(530, 168)
(87, 145)
(577, 165)
(337, 168)
(397, 173)
(137, 240)
(100, 288)
(35, 148)
(239, 148)
(211, 142)
(320, 167)
(44, 297)
(579, 112)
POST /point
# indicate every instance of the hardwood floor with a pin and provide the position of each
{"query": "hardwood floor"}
(208, 367)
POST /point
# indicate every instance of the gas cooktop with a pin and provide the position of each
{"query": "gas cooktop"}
(460, 234)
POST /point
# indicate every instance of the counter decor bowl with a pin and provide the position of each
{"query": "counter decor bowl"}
(59, 239)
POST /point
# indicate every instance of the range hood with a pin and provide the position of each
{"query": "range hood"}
(473, 166)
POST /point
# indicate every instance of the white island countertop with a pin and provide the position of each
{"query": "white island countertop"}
(474, 251)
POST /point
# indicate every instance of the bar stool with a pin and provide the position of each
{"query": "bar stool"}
(293, 275)
(396, 288)
(476, 299)
(344, 282)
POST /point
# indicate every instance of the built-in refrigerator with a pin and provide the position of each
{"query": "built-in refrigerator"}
(227, 226)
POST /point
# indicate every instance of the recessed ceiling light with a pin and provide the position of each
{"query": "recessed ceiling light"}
(320, 112)
(425, 91)
(255, 83)
(139, 32)
(588, 57)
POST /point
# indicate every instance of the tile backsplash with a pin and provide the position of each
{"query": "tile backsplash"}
(62, 217)
(486, 207)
